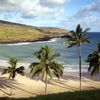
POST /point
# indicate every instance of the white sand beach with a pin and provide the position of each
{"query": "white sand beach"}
(25, 87)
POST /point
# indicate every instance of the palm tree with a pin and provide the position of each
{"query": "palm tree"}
(94, 61)
(12, 70)
(47, 65)
(76, 38)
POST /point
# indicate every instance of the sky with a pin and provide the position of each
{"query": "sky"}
(53, 13)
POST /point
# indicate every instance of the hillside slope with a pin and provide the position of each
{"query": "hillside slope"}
(14, 32)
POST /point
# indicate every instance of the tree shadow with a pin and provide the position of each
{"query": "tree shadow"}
(86, 78)
(63, 85)
(7, 83)
(26, 91)
(75, 78)
(63, 82)
(92, 83)
(93, 78)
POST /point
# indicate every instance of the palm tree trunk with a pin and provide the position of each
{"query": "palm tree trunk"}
(11, 87)
(79, 51)
(46, 82)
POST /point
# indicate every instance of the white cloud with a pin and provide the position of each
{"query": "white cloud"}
(6, 6)
(32, 8)
(91, 20)
(52, 3)
(88, 10)
(88, 15)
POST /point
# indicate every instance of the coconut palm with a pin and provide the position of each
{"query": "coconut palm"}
(47, 65)
(77, 38)
(94, 61)
(12, 70)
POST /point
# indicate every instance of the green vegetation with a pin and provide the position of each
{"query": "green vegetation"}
(84, 95)
(12, 32)
(12, 70)
(47, 65)
(53, 30)
(94, 61)
(77, 38)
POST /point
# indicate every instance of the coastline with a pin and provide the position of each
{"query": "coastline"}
(37, 40)
(24, 86)
(67, 67)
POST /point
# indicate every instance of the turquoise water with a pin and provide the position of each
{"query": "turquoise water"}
(24, 51)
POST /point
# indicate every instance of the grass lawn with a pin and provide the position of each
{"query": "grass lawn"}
(84, 95)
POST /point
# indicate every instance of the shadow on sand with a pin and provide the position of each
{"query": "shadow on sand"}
(63, 83)
(7, 83)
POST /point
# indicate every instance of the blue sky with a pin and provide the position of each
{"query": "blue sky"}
(53, 13)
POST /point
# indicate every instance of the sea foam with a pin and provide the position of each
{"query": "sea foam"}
(22, 43)
(67, 68)
(51, 40)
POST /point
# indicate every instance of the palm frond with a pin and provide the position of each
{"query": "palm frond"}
(33, 64)
(45, 65)
(94, 71)
(71, 45)
(56, 74)
(57, 68)
(85, 40)
(94, 63)
(20, 70)
(54, 56)
(12, 70)
(98, 45)
(83, 34)
(70, 42)
(77, 37)
(37, 73)
(86, 30)
(37, 54)
(43, 72)
(36, 68)
(13, 61)
(13, 74)
(69, 36)
(7, 70)
(49, 72)
(89, 68)
(73, 34)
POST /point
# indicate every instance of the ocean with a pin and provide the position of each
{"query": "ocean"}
(68, 57)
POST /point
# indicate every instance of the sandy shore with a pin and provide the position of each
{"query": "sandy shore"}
(26, 87)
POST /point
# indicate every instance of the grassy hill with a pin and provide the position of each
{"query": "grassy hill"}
(14, 32)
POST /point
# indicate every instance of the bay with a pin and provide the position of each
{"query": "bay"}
(24, 51)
